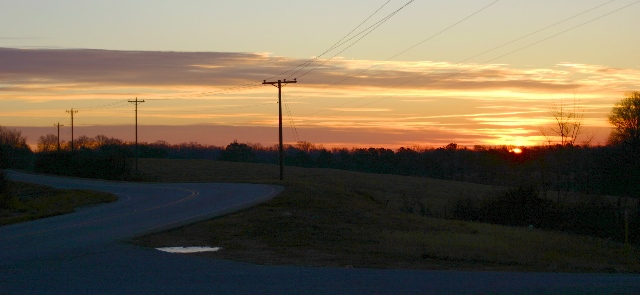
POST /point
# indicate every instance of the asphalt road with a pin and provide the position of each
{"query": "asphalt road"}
(82, 253)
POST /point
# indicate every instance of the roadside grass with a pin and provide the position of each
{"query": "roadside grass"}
(32, 201)
(329, 217)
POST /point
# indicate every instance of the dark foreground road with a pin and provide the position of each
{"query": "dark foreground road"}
(82, 253)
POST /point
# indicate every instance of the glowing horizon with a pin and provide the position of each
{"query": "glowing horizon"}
(497, 92)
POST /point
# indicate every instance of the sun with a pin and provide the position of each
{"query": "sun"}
(516, 151)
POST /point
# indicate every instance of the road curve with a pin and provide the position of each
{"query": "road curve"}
(141, 208)
(81, 253)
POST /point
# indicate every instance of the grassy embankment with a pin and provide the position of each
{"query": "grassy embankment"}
(340, 218)
(30, 201)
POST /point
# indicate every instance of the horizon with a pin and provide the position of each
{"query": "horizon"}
(248, 135)
(464, 72)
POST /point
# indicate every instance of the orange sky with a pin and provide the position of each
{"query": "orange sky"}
(472, 73)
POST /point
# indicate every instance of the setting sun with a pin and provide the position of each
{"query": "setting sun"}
(516, 151)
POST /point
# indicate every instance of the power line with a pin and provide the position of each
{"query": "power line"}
(375, 26)
(338, 43)
(106, 106)
(497, 47)
(294, 130)
(408, 49)
(300, 66)
(511, 52)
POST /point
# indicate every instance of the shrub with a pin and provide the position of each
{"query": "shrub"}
(237, 152)
(521, 206)
(7, 199)
(108, 162)
(3, 181)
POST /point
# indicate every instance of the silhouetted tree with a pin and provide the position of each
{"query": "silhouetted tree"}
(47, 143)
(237, 152)
(567, 123)
(14, 151)
(625, 117)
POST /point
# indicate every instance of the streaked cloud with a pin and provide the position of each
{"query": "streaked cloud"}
(441, 101)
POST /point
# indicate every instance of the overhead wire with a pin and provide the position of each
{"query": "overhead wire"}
(497, 47)
(337, 44)
(419, 43)
(249, 86)
(503, 55)
(406, 50)
(301, 66)
(291, 122)
(368, 31)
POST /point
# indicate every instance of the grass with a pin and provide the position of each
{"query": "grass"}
(340, 218)
(31, 201)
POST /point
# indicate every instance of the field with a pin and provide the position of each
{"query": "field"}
(340, 218)
(31, 201)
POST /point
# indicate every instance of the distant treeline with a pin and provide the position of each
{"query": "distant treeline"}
(609, 170)
(602, 170)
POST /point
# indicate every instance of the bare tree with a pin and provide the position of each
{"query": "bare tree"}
(84, 141)
(567, 123)
(12, 138)
(102, 140)
(47, 143)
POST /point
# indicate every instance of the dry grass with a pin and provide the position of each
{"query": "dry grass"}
(340, 218)
(32, 201)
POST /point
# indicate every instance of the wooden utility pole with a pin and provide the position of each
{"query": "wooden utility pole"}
(72, 112)
(58, 134)
(136, 103)
(279, 84)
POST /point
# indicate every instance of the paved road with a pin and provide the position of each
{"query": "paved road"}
(81, 253)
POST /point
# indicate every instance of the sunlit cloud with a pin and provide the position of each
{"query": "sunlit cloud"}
(468, 103)
(360, 109)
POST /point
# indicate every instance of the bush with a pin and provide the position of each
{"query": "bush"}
(14, 151)
(237, 152)
(521, 206)
(3, 181)
(7, 199)
(108, 162)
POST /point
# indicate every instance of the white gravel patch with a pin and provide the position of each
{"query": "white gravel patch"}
(189, 249)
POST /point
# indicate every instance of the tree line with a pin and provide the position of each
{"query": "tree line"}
(613, 169)
(564, 169)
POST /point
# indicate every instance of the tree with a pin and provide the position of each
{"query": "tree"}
(12, 138)
(625, 118)
(237, 152)
(102, 140)
(48, 143)
(567, 123)
(14, 151)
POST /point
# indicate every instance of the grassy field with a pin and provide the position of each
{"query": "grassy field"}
(31, 201)
(348, 219)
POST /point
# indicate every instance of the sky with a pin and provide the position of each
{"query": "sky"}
(384, 73)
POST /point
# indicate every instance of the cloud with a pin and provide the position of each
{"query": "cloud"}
(439, 102)
(42, 70)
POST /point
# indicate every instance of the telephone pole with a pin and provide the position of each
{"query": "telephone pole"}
(279, 84)
(58, 134)
(71, 112)
(136, 103)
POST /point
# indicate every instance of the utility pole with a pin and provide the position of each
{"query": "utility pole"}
(58, 134)
(72, 112)
(279, 84)
(136, 103)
